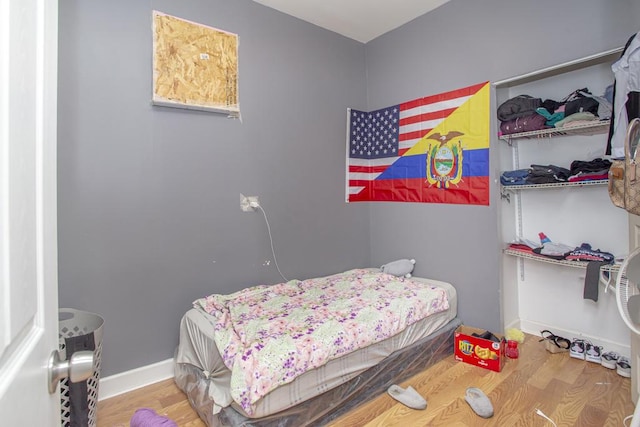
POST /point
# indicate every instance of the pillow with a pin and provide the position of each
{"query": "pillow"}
(401, 267)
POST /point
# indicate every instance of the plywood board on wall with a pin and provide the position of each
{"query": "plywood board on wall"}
(194, 66)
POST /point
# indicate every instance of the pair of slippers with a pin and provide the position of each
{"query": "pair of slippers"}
(475, 397)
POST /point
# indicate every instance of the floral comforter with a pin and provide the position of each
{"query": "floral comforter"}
(269, 335)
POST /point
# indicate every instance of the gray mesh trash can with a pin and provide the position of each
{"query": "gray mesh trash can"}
(78, 331)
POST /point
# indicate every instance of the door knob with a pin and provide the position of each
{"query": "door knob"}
(79, 368)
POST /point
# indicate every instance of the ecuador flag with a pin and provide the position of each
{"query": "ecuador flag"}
(431, 150)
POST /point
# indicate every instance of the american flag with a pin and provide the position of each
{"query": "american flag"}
(377, 139)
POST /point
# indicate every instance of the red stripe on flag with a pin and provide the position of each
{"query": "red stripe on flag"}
(358, 183)
(413, 135)
(445, 96)
(367, 169)
(472, 190)
(412, 104)
(465, 91)
(440, 114)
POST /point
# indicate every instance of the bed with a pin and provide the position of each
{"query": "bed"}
(241, 362)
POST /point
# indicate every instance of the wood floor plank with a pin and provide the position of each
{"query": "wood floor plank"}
(592, 416)
(569, 391)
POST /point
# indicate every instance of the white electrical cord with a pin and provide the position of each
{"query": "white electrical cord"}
(635, 418)
(627, 418)
(606, 279)
(539, 412)
(273, 252)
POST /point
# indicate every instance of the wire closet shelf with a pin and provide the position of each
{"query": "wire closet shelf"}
(591, 128)
(613, 268)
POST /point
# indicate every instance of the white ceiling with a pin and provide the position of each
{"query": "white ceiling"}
(361, 20)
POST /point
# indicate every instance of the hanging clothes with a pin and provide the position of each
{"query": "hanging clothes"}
(626, 95)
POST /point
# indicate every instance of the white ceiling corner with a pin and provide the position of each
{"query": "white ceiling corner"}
(361, 20)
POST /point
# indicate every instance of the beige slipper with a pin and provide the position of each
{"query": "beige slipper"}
(409, 397)
(479, 402)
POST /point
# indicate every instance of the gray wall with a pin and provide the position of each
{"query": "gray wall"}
(149, 209)
(461, 43)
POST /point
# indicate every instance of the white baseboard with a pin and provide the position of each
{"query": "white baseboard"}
(534, 328)
(513, 324)
(130, 380)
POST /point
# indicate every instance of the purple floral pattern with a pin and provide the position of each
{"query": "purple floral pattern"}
(269, 335)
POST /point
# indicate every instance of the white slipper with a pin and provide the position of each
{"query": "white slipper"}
(479, 402)
(409, 397)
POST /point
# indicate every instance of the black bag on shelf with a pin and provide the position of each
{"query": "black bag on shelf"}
(576, 102)
(518, 106)
(551, 105)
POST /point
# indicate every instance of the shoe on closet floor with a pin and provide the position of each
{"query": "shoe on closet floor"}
(609, 359)
(577, 349)
(593, 353)
(623, 367)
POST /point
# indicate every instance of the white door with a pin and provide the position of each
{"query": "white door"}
(28, 237)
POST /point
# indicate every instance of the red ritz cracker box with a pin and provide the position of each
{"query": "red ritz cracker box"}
(478, 351)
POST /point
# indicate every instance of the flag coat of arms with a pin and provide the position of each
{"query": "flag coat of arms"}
(430, 150)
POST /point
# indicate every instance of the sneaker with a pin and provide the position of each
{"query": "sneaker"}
(609, 359)
(623, 367)
(593, 353)
(577, 349)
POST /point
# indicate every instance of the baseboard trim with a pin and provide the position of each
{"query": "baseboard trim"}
(534, 328)
(514, 324)
(124, 382)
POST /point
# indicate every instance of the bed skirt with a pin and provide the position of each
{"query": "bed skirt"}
(330, 405)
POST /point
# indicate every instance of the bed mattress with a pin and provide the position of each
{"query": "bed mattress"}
(202, 374)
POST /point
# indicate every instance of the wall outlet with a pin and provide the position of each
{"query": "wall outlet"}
(248, 203)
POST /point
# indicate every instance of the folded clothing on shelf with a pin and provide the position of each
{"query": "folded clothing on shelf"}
(515, 177)
(584, 252)
(589, 176)
(553, 250)
(596, 169)
(581, 170)
(528, 123)
(576, 119)
(595, 165)
(539, 174)
(560, 251)
(520, 247)
(552, 118)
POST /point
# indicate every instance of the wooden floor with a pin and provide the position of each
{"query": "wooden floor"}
(569, 391)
